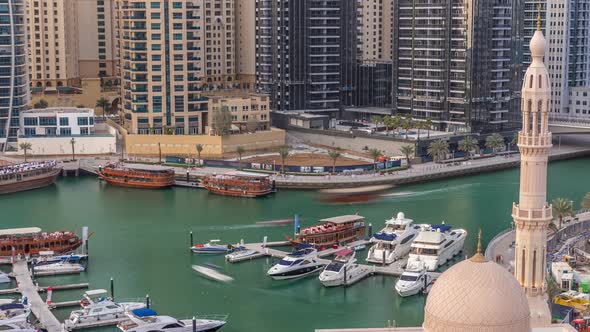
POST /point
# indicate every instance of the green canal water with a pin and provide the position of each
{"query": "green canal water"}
(141, 239)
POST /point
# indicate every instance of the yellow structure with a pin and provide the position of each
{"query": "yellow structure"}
(376, 30)
(91, 92)
(212, 145)
(244, 109)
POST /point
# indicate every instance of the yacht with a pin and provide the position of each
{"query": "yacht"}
(212, 247)
(59, 268)
(48, 257)
(16, 326)
(4, 278)
(412, 282)
(147, 320)
(14, 312)
(301, 262)
(99, 308)
(434, 246)
(343, 270)
(240, 253)
(394, 241)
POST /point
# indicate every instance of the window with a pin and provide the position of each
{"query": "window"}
(47, 121)
(84, 131)
(30, 131)
(31, 121)
(155, 16)
(155, 4)
(65, 131)
(82, 121)
(64, 121)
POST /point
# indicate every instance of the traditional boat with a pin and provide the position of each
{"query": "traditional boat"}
(32, 241)
(137, 175)
(353, 195)
(333, 231)
(239, 184)
(27, 176)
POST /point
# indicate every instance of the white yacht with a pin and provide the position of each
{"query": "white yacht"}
(343, 270)
(60, 268)
(16, 326)
(301, 262)
(96, 308)
(394, 241)
(147, 320)
(240, 253)
(14, 312)
(412, 282)
(4, 278)
(434, 246)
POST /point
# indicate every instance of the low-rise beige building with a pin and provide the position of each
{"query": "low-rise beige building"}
(245, 110)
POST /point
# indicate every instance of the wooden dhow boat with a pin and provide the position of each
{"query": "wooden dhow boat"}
(32, 241)
(239, 184)
(137, 175)
(27, 176)
(333, 231)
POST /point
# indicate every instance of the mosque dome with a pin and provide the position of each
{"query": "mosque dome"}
(476, 295)
(538, 45)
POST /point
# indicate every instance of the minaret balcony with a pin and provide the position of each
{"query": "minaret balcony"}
(542, 214)
(534, 141)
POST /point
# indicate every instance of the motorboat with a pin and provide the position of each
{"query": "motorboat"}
(212, 247)
(343, 270)
(4, 278)
(16, 326)
(212, 274)
(435, 246)
(394, 241)
(147, 320)
(97, 308)
(301, 262)
(59, 268)
(240, 253)
(412, 282)
(48, 257)
(14, 312)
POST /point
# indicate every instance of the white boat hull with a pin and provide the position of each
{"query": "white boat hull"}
(4, 279)
(432, 263)
(278, 276)
(353, 275)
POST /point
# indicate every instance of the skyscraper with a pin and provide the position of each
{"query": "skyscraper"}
(161, 61)
(532, 214)
(454, 63)
(14, 83)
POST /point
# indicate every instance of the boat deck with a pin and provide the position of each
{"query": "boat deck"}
(100, 323)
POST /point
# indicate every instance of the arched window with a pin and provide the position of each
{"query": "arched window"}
(534, 268)
(523, 266)
(540, 82)
(529, 106)
(531, 82)
(540, 106)
(39, 84)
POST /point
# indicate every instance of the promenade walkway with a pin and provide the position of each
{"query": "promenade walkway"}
(29, 290)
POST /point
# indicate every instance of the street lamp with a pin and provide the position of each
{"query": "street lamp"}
(73, 142)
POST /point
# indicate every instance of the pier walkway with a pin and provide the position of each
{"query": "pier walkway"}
(29, 290)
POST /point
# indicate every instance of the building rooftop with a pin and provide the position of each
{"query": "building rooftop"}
(344, 219)
(59, 110)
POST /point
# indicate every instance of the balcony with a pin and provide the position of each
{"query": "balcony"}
(543, 214)
(530, 141)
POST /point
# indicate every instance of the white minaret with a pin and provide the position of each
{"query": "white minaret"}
(532, 214)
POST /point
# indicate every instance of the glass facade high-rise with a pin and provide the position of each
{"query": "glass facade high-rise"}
(14, 77)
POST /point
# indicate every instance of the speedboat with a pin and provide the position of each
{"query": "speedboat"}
(435, 246)
(301, 262)
(212, 247)
(99, 308)
(14, 312)
(394, 241)
(48, 257)
(412, 282)
(240, 253)
(4, 278)
(343, 270)
(61, 267)
(147, 320)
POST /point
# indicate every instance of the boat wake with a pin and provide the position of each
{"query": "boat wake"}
(232, 227)
(403, 194)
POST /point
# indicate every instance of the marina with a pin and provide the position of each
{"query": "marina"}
(232, 220)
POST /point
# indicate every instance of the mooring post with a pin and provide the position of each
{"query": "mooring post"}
(345, 276)
(187, 175)
(194, 324)
(192, 243)
(147, 301)
(112, 288)
(383, 258)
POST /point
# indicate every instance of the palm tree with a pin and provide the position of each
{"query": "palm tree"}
(334, 154)
(284, 153)
(407, 124)
(438, 150)
(562, 208)
(586, 201)
(494, 142)
(419, 125)
(25, 146)
(199, 150)
(428, 126)
(104, 104)
(397, 122)
(407, 150)
(375, 153)
(240, 150)
(467, 145)
(388, 123)
(376, 119)
(159, 153)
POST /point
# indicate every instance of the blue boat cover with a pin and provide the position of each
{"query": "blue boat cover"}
(303, 246)
(9, 306)
(442, 228)
(144, 312)
(301, 252)
(384, 236)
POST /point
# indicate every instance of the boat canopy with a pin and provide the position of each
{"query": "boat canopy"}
(385, 236)
(246, 174)
(442, 227)
(344, 252)
(303, 246)
(344, 219)
(10, 306)
(20, 231)
(144, 312)
(46, 253)
(147, 167)
(94, 292)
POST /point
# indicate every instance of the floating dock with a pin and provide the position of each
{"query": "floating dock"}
(100, 323)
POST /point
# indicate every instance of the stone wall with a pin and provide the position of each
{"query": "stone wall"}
(61, 145)
(212, 145)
